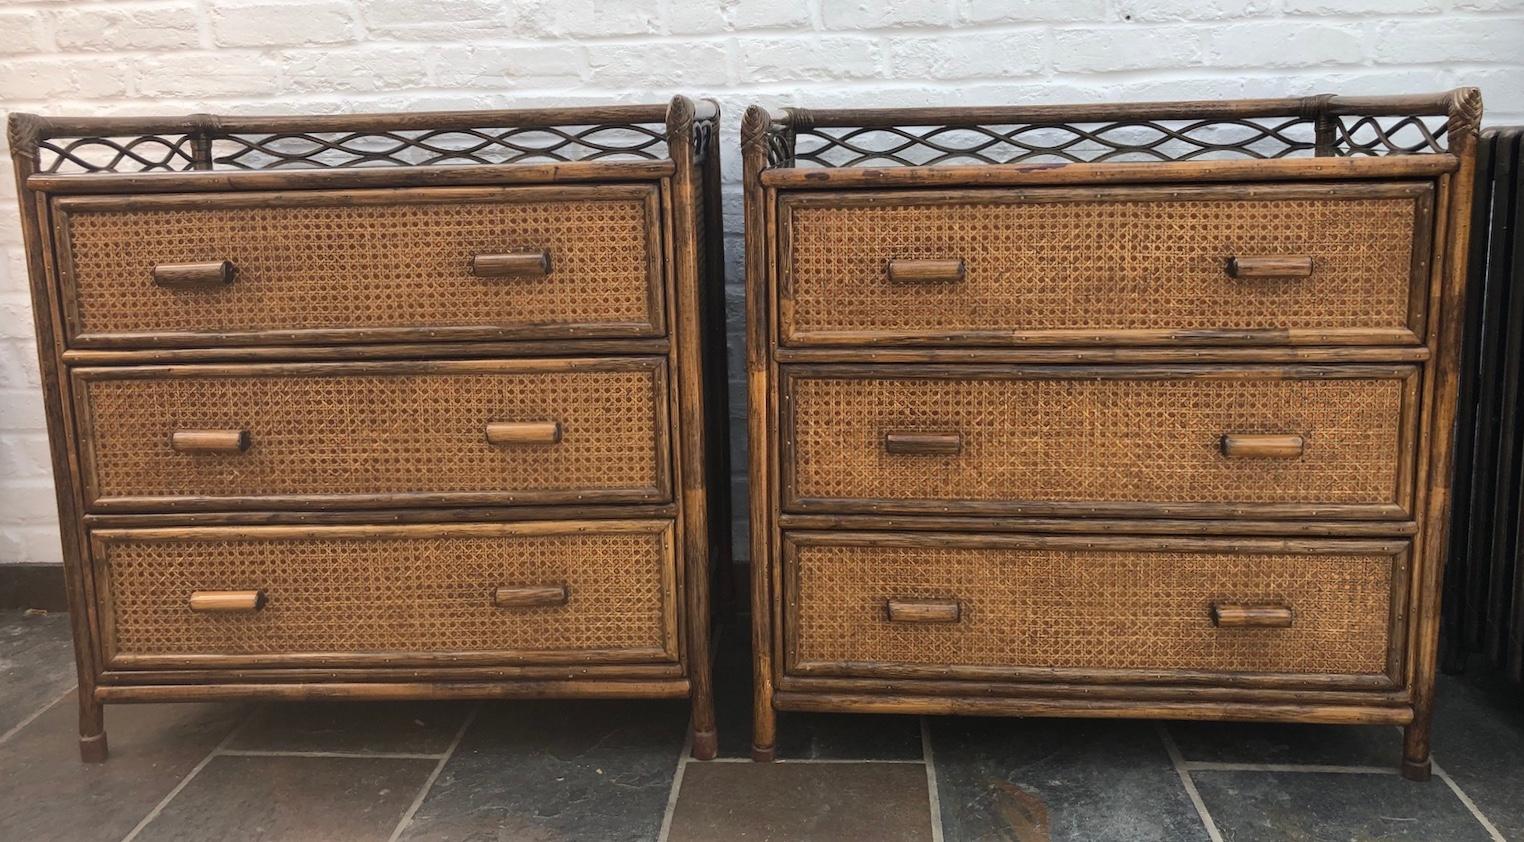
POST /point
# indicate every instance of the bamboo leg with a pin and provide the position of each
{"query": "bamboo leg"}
(92, 729)
(706, 741)
(764, 734)
(1416, 765)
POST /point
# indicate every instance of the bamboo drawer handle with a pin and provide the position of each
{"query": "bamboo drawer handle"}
(523, 432)
(1250, 446)
(530, 596)
(923, 443)
(213, 273)
(1270, 266)
(527, 264)
(923, 610)
(1233, 615)
(926, 271)
(210, 441)
(227, 602)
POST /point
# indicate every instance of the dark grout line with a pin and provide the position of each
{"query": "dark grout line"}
(1471, 806)
(349, 755)
(34, 715)
(684, 755)
(933, 797)
(189, 776)
(428, 783)
(1323, 768)
(1465, 800)
(1191, 792)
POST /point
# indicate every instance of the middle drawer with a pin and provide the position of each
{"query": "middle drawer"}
(374, 434)
(1209, 441)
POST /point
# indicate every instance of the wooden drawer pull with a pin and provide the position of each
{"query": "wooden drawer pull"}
(523, 432)
(926, 271)
(1278, 266)
(923, 610)
(194, 275)
(529, 264)
(1248, 446)
(1233, 615)
(226, 602)
(923, 443)
(210, 441)
(531, 596)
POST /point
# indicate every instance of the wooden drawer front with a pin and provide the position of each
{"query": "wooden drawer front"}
(971, 606)
(491, 431)
(362, 266)
(1116, 265)
(1122, 439)
(570, 592)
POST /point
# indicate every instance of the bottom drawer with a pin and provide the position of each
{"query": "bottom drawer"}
(523, 593)
(982, 606)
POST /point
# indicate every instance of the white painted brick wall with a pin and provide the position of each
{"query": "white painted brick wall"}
(321, 56)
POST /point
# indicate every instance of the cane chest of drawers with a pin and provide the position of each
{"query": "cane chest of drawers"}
(384, 406)
(1135, 410)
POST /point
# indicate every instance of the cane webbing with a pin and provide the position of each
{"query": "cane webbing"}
(1101, 265)
(1094, 440)
(389, 593)
(376, 266)
(388, 433)
(1087, 608)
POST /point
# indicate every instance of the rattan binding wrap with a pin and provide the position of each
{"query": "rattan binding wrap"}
(1096, 439)
(1097, 609)
(391, 590)
(400, 263)
(320, 431)
(1100, 265)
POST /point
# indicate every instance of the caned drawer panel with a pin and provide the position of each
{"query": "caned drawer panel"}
(463, 593)
(332, 266)
(312, 435)
(941, 605)
(1117, 265)
(1191, 440)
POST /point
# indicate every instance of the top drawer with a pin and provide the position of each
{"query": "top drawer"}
(360, 266)
(1114, 265)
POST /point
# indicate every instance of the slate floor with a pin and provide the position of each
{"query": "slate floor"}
(613, 770)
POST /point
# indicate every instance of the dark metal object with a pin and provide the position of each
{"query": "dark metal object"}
(1484, 594)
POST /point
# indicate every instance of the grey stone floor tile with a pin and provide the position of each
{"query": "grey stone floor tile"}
(49, 794)
(1319, 807)
(264, 799)
(840, 736)
(364, 727)
(1276, 742)
(1479, 742)
(828, 736)
(552, 770)
(1084, 780)
(829, 802)
(36, 664)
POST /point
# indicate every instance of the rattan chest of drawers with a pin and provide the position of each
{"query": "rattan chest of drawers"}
(1133, 410)
(384, 406)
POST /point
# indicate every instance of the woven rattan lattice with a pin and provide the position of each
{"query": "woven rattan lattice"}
(1318, 126)
(208, 142)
